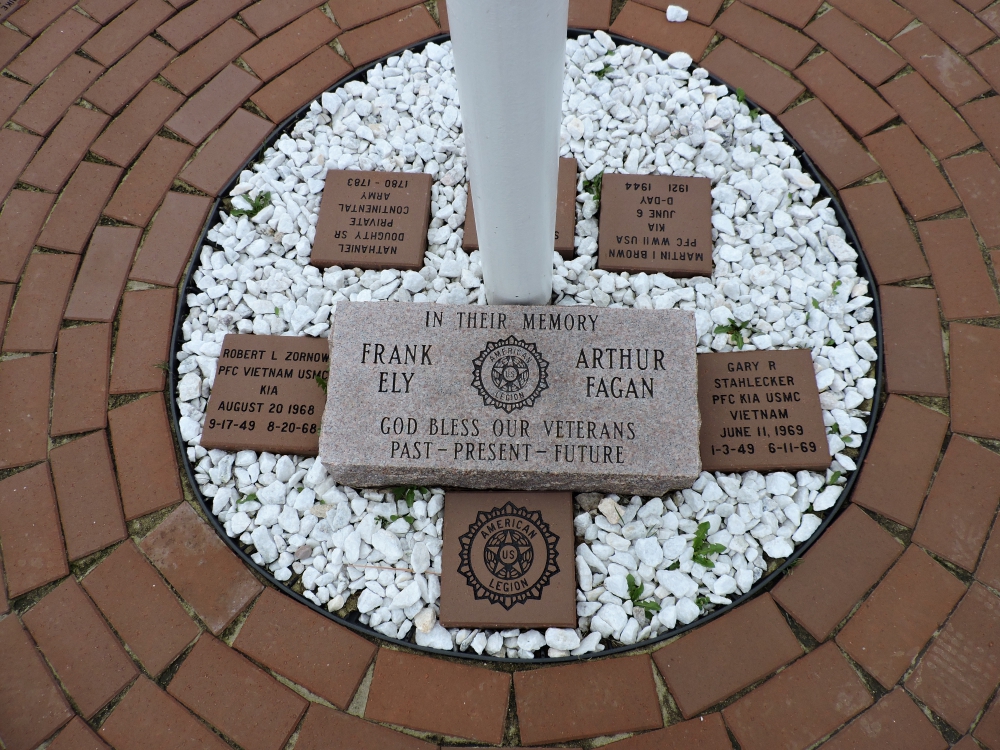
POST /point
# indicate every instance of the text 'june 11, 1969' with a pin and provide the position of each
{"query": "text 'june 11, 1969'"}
(512, 397)
(760, 410)
(268, 394)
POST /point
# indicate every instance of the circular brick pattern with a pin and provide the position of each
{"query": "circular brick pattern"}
(125, 120)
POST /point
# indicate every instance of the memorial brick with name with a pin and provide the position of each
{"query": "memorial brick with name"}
(760, 410)
(512, 397)
(373, 220)
(508, 560)
(656, 224)
(565, 213)
(266, 396)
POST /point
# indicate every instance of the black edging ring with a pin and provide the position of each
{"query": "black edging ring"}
(765, 583)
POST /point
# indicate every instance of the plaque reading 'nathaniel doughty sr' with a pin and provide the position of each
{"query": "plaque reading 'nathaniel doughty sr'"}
(266, 395)
(565, 213)
(760, 410)
(656, 223)
(373, 220)
(508, 560)
(511, 397)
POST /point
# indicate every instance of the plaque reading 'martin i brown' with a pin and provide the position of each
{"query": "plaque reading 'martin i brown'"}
(373, 220)
(508, 560)
(565, 213)
(656, 223)
(760, 410)
(266, 396)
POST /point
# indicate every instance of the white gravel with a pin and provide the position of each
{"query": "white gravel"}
(782, 268)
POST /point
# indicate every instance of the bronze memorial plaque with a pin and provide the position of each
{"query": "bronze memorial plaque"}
(760, 410)
(656, 223)
(266, 395)
(508, 560)
(373, 220)
(565, 213)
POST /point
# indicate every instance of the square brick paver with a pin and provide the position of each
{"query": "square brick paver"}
(402, 29)
(87, 494)
(976, 177)
(943, 68)
(297, 643)
(764, 35)
(64, 149)
(975, 381)
(855, 47)
(850, 98)
(960, 276)
(915, 178)
(894, 723)
(213, 53)
(24, 392)
(929, 115)
(101, 280)
(900, 616)
(136, 126)
(77, 736)
(888, 242)
(322, 723)
(149, 718)
(84, 653)
(901, 460)
(150, 178)
(129, 75)
(224, 154)
(32, 542)
(565, 703)
(237, 697)
(961, 504)
(80, 384)
(961, 669)
(828, 143)
(835, 573)
(79, 207)
(204, 111)
(719, 648)
(762, 83)
(49, 102)
(171, 238)
(800, 705)
(41, 300)
(141, 607)
(21, 220)
(442, 697)
(143, 344)
(282, 96)
(583, 14)
(53, 46)
(32, 706)
(144, 456)
(914, 353)
(183, 547)
(295, 41)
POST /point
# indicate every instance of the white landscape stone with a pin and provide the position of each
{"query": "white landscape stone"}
(778, 254)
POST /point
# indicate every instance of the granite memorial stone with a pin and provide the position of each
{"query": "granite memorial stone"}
(656, 223)
(373, 220)
(760, 410)
(508, 560)
(509, 397)
(565, 214)
(266, 396)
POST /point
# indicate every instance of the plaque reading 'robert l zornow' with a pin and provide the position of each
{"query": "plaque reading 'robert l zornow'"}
(511, 397)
